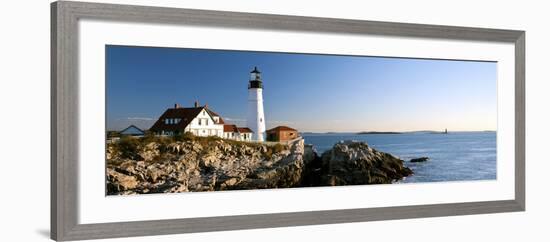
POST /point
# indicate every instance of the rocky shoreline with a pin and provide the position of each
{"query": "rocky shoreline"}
(141, 166)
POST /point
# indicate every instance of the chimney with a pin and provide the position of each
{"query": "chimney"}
(196, 104)
(177, 105)
(206, 105)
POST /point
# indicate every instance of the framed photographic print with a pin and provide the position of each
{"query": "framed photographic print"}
(243, 120)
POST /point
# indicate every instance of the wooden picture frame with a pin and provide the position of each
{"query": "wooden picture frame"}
(64, 115)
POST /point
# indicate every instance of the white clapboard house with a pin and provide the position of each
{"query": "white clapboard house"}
(200, 121)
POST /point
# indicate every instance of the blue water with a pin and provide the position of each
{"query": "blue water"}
(456, 156)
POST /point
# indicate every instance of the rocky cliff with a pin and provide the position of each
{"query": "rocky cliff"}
(215, 164)
(199, 165)
(353, 163)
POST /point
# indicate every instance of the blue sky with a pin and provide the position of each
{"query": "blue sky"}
(316, 93)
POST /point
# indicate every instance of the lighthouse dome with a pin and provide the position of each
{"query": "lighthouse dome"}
(255, 79)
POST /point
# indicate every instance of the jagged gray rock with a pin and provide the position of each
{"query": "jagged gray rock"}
(192, 166)
(421, 159)
(354, 163)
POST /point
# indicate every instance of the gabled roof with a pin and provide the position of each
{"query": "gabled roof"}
(244, 130)
(185, 114)
(281, 128)
(213, 114)
(132, 127)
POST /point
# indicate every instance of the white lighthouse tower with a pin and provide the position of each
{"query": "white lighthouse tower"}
(255, 117)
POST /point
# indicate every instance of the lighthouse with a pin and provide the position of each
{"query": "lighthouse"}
(255, 117)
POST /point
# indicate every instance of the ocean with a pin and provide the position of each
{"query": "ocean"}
(456, 156)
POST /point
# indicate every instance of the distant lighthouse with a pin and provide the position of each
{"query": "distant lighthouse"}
(255, 117)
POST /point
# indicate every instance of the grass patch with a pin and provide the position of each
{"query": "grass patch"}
(128, 147)
(279, 147)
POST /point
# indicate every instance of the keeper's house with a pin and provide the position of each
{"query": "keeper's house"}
(198, 120)
(281, 133)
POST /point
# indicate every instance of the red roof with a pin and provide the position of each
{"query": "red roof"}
(230, 128)
(244, 130)
(281, 128)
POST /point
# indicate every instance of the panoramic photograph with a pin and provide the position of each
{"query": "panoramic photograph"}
(198, 120)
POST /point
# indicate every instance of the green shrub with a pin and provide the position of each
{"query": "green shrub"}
(279, 147)
(148, 138)
(267, 154)
(128, 147)
(187, 136)
(113, 134)
(208, 140)
(270, 150)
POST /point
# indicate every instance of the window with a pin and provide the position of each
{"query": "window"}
(200, 121)
(166, 121)
(206, 121)
(261, 120)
